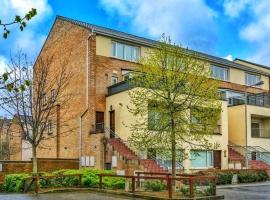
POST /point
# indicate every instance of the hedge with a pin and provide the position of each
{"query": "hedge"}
(15, 182)
(244, 176)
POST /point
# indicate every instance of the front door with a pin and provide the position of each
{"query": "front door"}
(112, 124)
(217, 159)
(100, 122)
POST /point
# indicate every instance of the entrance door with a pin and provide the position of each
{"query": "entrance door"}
(99, 122)
(112, 124)
(217, 159)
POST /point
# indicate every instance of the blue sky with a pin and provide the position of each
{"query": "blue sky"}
(225, 28)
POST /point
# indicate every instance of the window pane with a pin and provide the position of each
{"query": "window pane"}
(128, 52)
(114, 49)
(120, 51)
(252, 79)
(219, 73)
(136, 53)
(198, 159)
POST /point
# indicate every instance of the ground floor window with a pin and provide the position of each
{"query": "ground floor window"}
(201, 159)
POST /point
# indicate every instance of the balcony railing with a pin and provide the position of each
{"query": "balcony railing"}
(260, 133)
(119, 87)
(262, 99)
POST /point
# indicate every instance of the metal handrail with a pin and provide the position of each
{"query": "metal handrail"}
(109, 132)
(252, 149)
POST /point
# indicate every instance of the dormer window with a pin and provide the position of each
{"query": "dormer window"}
(125, 51)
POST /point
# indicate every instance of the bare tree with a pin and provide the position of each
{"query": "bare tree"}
(35, 104)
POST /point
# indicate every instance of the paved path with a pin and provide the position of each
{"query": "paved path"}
(260, 192)
(66, 196)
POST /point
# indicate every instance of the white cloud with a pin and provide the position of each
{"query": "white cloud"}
(234, 8)
(256, 31)
(3, 64)
(229, 57)
(191, 23)
(30, 40)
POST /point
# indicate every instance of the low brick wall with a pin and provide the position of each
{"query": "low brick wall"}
(44, 165)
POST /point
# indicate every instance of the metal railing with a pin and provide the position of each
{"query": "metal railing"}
(261, 99)
(252, 152)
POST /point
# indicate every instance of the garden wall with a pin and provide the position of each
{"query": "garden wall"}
(44, 165)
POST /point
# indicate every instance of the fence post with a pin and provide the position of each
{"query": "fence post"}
(191, 192)
(133, 184)
(138, 179)
(214, 192)
(100, 181)
(169, 186)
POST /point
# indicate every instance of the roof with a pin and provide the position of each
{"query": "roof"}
(252, 63)
(152, 43)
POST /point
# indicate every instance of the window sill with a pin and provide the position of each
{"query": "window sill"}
(136, 62)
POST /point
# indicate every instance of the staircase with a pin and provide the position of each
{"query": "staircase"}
(150, 165)
(235, 156)
(258, 158)
(258, 164)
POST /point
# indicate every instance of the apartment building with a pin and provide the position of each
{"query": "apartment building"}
(101, 59)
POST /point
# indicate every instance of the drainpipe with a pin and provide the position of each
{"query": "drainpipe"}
(80, 138)
(87, 97)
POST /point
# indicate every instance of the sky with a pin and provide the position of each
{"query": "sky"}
(226, 28)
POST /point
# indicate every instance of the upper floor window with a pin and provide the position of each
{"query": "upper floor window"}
(114, 80)
(252, 79)
(125, 51)
(50, 127)
(220, 73)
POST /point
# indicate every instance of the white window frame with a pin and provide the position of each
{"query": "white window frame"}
(206, 161)
(254, 75)
(133, 52)
(50, 127)
(114, 78)
(225, 75)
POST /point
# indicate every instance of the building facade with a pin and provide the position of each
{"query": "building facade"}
(100, 60)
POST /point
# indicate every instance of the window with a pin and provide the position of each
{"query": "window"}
(255, 129)
(44, 100)
(53, 94)
(50, 127)
(220, 73)
(252, 79)
(125, 52)
(201, 159)
(157, 118)
(114, 80)
(126, 74)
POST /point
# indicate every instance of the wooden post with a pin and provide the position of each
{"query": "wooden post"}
(169, 186)
(191, 191)
(214, 192)
(133, 185)
(138, 179)
(100, 181)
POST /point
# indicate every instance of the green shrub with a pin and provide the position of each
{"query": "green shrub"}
(154, 186)
(224, 178)
(185, 191)
(14, 182)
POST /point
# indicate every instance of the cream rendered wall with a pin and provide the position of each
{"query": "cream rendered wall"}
(124, 119)
(259, 111)
(236, 124)
(253, 66)
(104, 48)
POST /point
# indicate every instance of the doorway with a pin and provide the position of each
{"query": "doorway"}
(112, 124)
(99, 122)
(217, 159)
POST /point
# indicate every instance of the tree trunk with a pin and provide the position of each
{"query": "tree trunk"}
(34, 159)
(173, 149)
